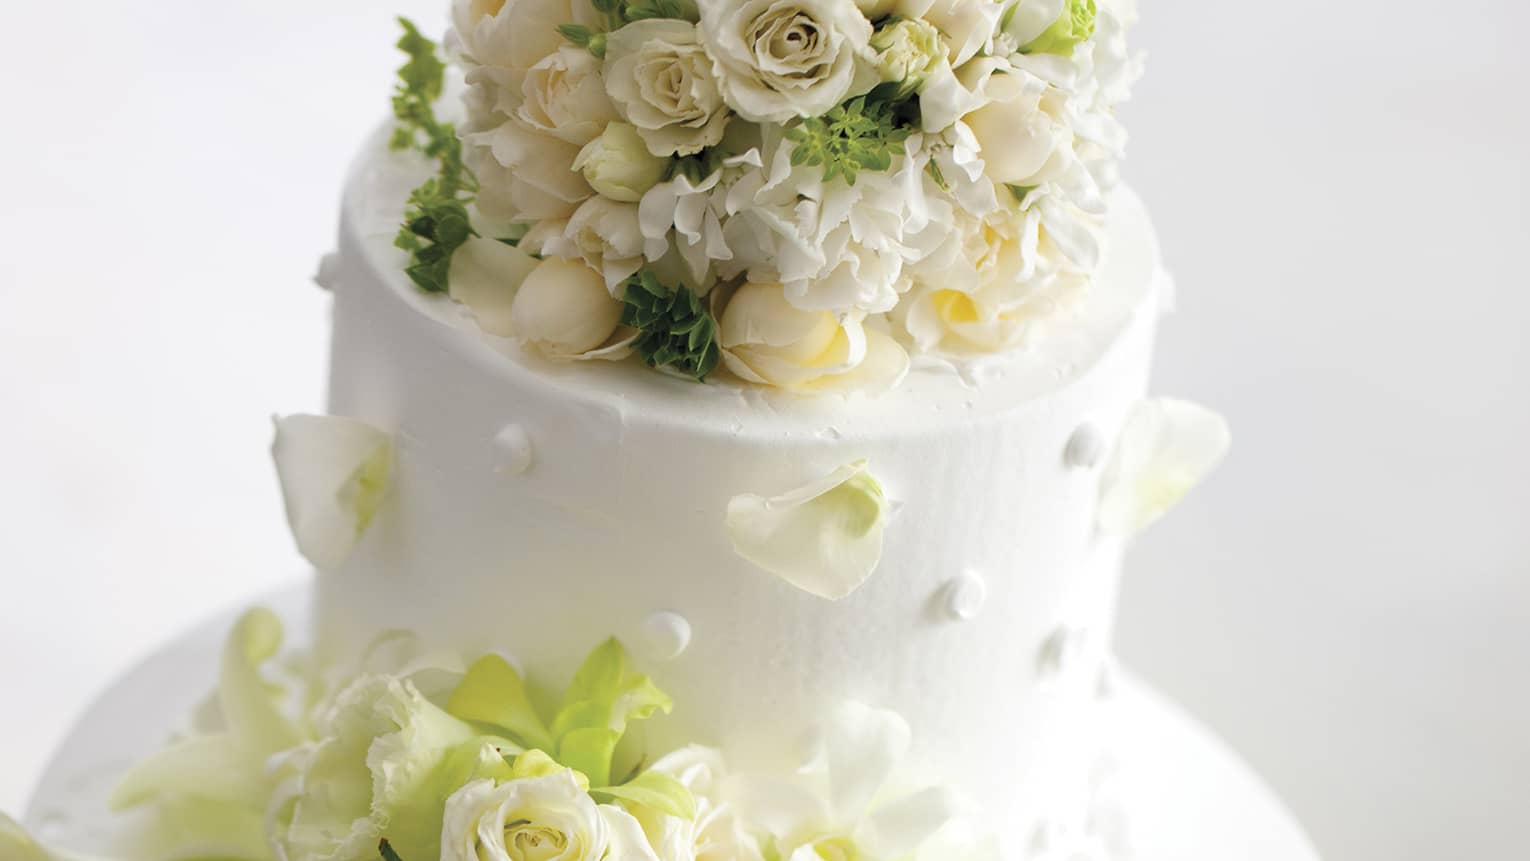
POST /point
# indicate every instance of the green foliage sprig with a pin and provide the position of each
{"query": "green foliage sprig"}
(675, 328)
(864, 133)
(437, 222)
(619, 13)
(385, 849)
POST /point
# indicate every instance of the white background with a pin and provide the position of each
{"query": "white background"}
(1342, 192)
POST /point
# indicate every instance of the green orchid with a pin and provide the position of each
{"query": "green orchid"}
(605, 696)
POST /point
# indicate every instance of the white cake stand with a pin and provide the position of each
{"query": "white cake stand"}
(1188, 796)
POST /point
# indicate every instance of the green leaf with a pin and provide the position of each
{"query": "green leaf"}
(493, 693)
(437, 223)
(675, 328)
(386, 850)
(1020, 192)
(656, 791)
(590, 751)
(865, 133)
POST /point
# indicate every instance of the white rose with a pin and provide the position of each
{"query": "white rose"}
(564, 309)
(525, 174)
(782, 59)
(1021, 128)
(500, 40)
(908, 50)
(968, 26)
(1010, 284)
(664, 84)
(606, 234)
(768, 341)
(716, 833)
(548, 818)
(564, 96)
(618, 164)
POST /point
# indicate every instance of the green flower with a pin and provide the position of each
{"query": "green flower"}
(1074, 26)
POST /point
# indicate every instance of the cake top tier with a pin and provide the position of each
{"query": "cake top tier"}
(810, 195)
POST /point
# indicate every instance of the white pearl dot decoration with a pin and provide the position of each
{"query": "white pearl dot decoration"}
(665, 636)
(1061, 652)
(329, 271)
(1086, 449)
(965, 597)
(514, 448)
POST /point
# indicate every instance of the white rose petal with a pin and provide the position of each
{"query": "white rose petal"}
(783, 59)
(825, 538)
(334, 472)
(1165, 449)
(835, 809)
(485, 276)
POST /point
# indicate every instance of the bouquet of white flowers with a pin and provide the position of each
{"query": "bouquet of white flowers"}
(802, 193)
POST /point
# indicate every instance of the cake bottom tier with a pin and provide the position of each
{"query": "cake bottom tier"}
(1177, 793)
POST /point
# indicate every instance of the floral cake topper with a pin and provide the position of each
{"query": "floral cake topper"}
(799, 193)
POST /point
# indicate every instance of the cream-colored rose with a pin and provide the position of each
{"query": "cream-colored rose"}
(768, 341)
(606, 234)
(1020, 129)
(967, 26)
(663, 82)
(783, 59)
(549, 818)
(564, 310)
(908, 50)
(717, 832)
(500, 40)
(618, 164)
(994, 319)
(565, 96)
(524, 173)
(1008, 280)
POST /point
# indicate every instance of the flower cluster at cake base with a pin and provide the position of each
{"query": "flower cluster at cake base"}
(420, 758)
(800, 194)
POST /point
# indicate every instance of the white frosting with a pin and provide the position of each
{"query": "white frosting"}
(624, 513)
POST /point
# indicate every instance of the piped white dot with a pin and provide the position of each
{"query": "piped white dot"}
(965, 597)
(514, 448)
(329, 271)
(1061, 652)
(665, 636)
(1086, 449)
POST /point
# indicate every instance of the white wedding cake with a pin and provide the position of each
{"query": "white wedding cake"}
(730, 459)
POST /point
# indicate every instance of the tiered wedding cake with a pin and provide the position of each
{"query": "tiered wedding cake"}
(730, 459)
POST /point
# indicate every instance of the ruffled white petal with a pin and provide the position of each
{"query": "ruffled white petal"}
(858, 749)
(825, 538)
(1165, 449)
(334, 472)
